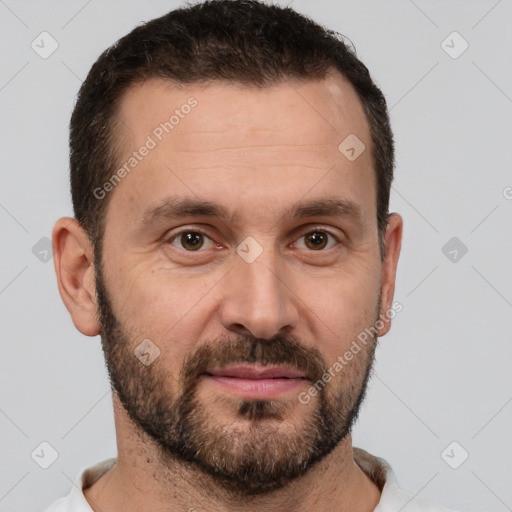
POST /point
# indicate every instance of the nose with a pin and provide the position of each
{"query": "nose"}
(258, 298)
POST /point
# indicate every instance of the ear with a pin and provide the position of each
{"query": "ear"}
(393, 240)
(73, 258)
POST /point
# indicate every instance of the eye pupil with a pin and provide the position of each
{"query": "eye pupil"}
(192, 241)
(316, 240)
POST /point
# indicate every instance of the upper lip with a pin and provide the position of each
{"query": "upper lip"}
(257, 372)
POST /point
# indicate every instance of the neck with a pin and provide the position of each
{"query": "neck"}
(140, 481)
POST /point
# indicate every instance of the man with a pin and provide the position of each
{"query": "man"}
(231, 164)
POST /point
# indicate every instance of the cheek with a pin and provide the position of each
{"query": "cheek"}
(339, 307)
(166, 308)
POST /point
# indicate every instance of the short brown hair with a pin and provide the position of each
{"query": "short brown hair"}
(243, 41)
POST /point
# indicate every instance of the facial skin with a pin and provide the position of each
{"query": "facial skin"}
(190, 439)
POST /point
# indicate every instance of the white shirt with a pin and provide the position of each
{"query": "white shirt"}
(378, 470)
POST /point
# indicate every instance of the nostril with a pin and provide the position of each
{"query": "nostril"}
(240, 328)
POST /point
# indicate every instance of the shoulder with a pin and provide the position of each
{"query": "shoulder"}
(75, 501)
(392, 497)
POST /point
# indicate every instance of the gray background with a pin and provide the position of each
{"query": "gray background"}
(442, 373)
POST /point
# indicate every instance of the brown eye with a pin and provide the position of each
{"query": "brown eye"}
(316, 240)
(190, 240)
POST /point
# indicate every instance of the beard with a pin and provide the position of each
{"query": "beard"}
(262, 449)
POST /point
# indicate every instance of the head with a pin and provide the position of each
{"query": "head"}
(230, 185)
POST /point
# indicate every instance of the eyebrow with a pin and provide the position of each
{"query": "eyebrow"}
(175, 207)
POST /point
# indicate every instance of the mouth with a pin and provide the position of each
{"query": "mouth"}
(256, 381)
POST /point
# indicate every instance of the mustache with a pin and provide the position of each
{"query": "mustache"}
(278, 350)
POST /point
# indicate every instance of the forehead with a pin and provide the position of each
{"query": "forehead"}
(330, 106)
(246, 145)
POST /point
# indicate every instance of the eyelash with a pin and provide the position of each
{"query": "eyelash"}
(175, 236)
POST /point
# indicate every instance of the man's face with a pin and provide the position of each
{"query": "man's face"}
(250, 308)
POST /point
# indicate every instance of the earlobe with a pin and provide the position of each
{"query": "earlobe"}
(74, 266)
(393, 242)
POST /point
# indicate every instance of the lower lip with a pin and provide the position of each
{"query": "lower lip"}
(262, 389)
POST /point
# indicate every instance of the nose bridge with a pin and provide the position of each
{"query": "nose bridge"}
(257, 297)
